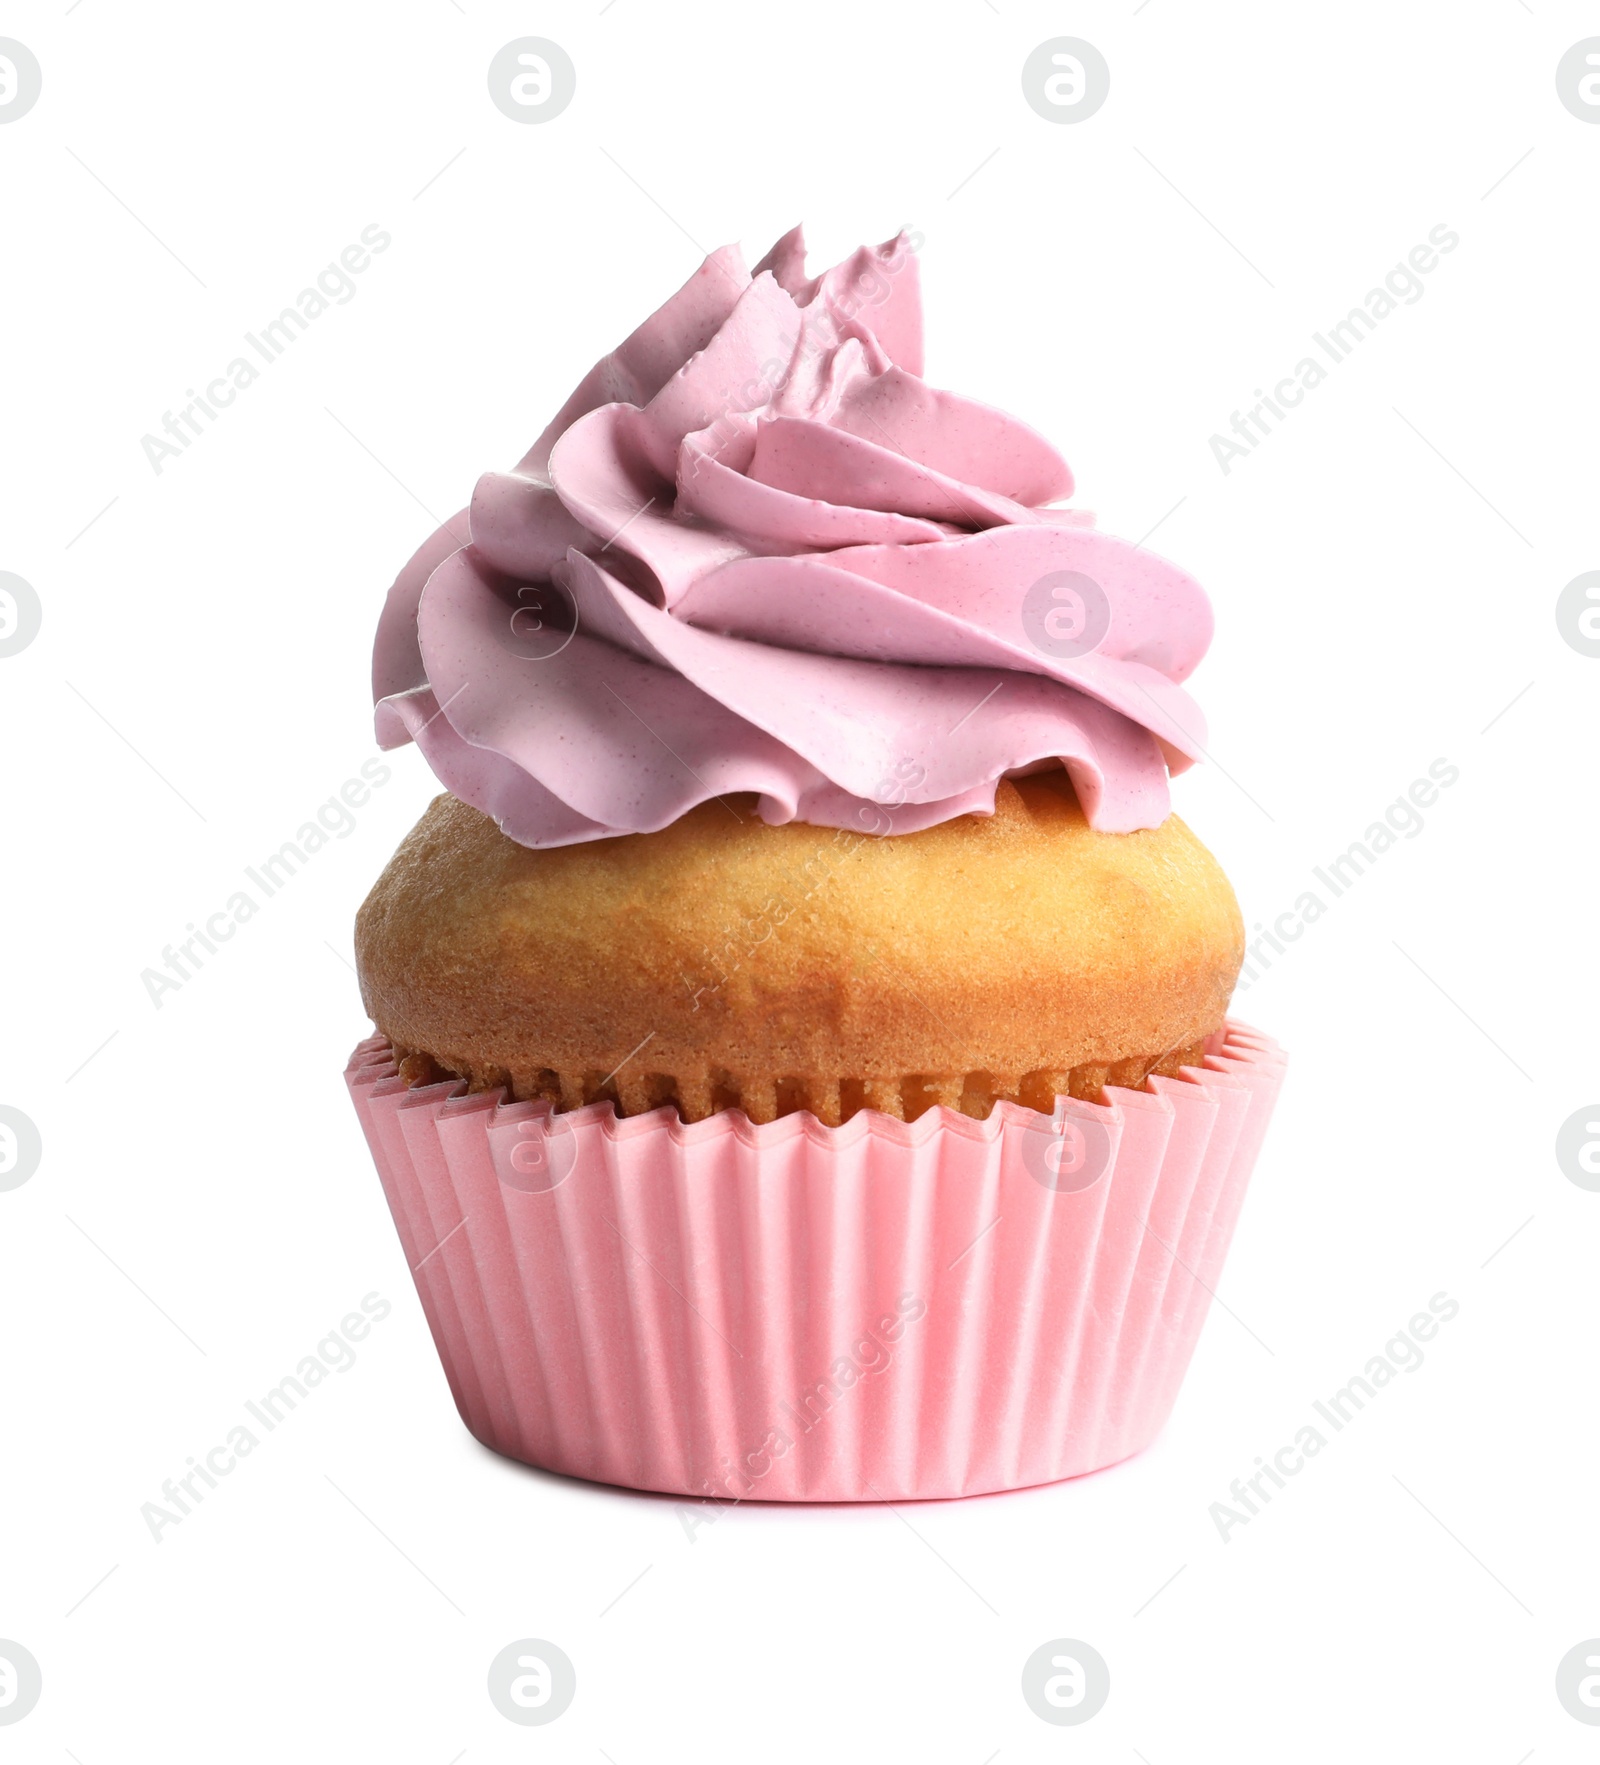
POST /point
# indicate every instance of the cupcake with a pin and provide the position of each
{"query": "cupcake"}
(802, 1067)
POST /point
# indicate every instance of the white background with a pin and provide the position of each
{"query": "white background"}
(1385, 571)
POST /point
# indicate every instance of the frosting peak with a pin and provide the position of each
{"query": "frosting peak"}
(756, 552)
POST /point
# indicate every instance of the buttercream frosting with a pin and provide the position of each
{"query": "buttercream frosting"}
(755, 551)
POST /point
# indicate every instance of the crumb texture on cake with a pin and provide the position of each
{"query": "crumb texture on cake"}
(721, 963)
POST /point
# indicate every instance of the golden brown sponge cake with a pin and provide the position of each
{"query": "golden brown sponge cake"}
(721, 963)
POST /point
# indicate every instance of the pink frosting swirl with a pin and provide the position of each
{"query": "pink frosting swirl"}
(756, 552)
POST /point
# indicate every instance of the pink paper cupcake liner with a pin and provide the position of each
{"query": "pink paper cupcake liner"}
(790, 1312)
